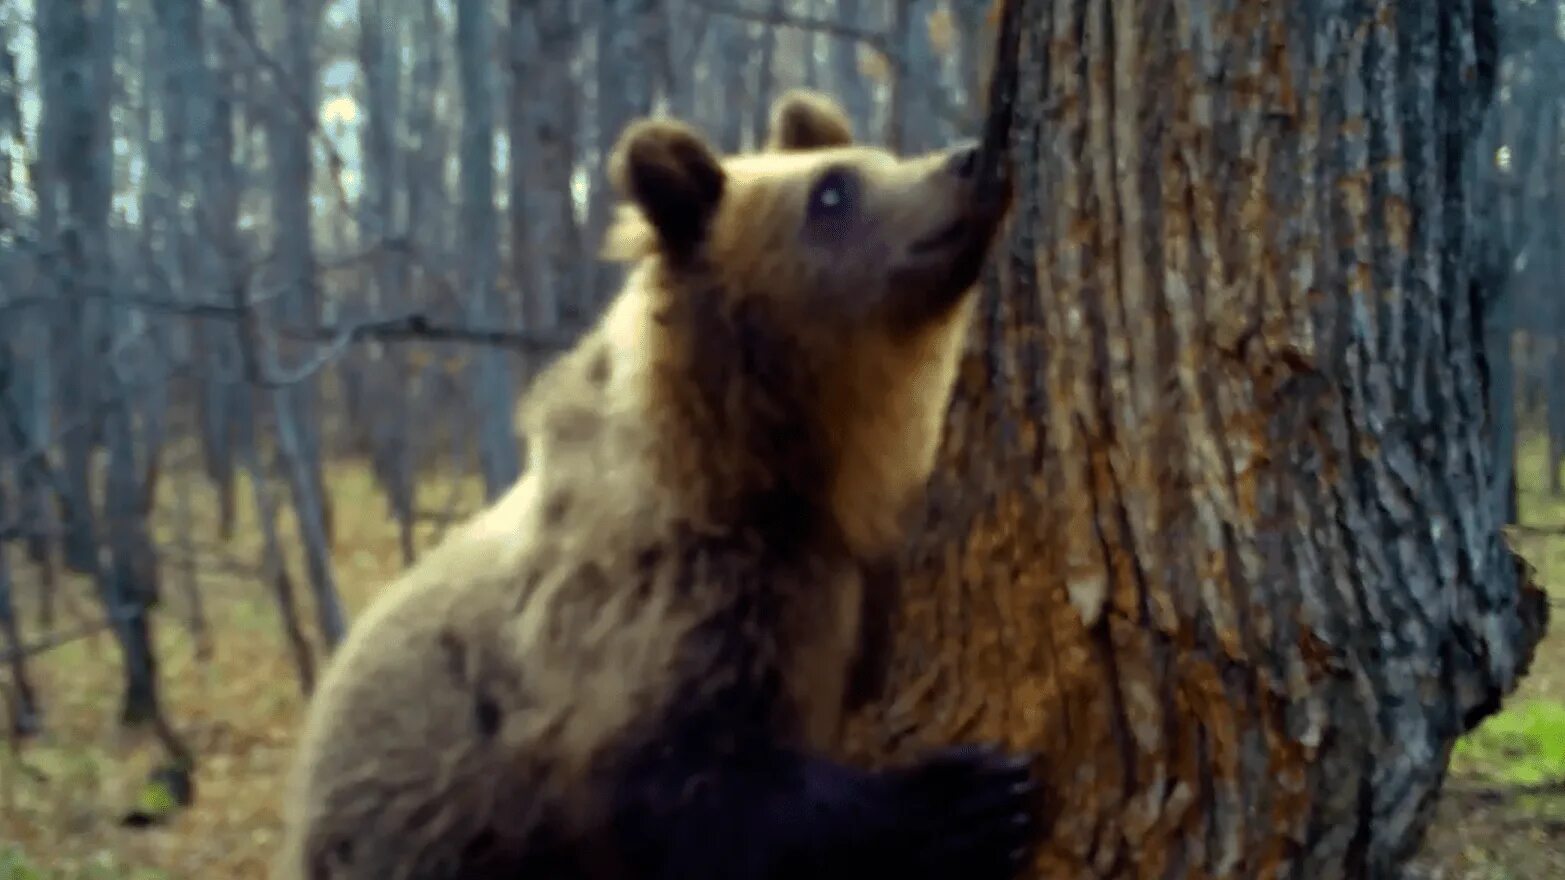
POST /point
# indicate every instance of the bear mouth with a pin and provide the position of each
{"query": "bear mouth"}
(945, 237)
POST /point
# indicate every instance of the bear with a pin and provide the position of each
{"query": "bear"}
(636, 661)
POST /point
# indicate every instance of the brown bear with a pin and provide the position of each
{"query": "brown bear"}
(635, 663)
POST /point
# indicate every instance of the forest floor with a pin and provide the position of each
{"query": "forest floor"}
(61, 795)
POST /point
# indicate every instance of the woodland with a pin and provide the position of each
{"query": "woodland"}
(1250, 511)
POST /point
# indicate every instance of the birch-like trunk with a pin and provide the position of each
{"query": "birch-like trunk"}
(1211, 531)
(391, 426)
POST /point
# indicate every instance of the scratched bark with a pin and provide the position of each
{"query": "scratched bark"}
(1211, 531)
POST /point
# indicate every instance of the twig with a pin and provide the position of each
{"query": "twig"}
(244, 25)
(416, 326)
(935, 95)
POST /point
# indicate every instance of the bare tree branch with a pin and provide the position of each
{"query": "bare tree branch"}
(877, 40)
(937, 96)
(244, 25)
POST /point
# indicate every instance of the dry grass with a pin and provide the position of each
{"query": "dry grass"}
(238, 707)
(60, 798)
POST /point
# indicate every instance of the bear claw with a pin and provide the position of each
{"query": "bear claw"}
(970, 815)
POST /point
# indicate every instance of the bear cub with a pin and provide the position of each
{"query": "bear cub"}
(636, 662)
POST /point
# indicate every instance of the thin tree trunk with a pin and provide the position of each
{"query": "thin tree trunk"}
(765, 76)
(274, 569)
(492, 384)
(391, 425)
(730, 51)
(1210, 532)
(973, 52)
(849, 84)
(26, 716)
(812, 45)
(288, 139)
(1554, 382)
(26, 713)
(329, 614)
(624, 78)
(133, 588)
(220, 262)
(68, 145)
(189, 577)
(911, 126)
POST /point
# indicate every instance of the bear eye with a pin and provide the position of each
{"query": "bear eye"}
(833, 194)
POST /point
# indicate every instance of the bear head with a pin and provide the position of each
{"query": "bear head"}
(810, 299)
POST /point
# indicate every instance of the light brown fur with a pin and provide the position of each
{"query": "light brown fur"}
(474, 705)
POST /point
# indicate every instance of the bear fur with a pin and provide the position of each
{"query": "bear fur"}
(635, 663)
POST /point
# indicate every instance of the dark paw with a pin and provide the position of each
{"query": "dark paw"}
(971, 813)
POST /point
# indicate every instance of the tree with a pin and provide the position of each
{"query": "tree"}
(1210, 532)
(493, 388)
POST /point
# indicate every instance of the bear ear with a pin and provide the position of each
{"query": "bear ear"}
(673, 176)
(804, 120)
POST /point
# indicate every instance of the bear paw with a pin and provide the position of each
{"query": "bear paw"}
(970, 812)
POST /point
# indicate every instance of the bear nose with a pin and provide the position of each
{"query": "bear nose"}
(963, 159)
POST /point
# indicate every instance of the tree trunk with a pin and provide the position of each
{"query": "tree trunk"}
(811, 45)
(728, 57)
(274, 569)
(973, 51)
(492, 384)
(67, 184)
(25, 715)
(1210, 531)
(224, 402)
(765, 76)
(1554, 384)
(848, 82)
(390, 421)
(910, 126)
(291, 121)
(131, 588)
(624, 78)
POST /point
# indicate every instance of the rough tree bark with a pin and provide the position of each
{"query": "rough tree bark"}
(1210, 533)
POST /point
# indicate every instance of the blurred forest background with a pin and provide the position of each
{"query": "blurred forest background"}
(272, 273)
